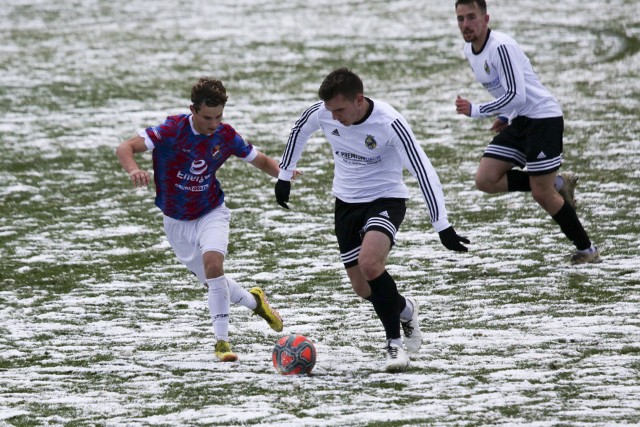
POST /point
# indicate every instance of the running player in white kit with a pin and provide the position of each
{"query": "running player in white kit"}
(371, 143)
(529, 126)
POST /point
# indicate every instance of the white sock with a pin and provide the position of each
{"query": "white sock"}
(558, 183)
(590, 250)
(407, 313)
(241, 296)
(396, 341)
(218, 300)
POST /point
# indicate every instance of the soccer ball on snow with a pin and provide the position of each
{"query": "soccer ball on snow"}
(294, 354)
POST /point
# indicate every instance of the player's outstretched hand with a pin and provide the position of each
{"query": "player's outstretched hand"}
(283, 189)
(451, 240)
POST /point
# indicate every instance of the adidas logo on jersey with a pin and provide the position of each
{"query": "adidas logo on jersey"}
(542, 155)
(384, 214)
(335, 132)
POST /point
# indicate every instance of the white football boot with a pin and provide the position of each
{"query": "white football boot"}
(411, 328)
(397, 359)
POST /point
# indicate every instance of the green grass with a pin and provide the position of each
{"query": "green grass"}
(99, 324)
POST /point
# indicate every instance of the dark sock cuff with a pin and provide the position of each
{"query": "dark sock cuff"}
(381, 280)
(386, 302)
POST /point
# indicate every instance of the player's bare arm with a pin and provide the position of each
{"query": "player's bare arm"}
(125, 153)
(270, 166)
(266, 164)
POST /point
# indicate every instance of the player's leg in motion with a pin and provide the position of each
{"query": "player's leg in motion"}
(186, 239)
(224, 291)
(544, 192)
(211, 236)
(408, 306)
(365, 232)
(218, 299)
(384, 296)
(498, 176)
(554, 193)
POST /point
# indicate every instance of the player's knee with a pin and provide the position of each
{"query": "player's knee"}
(213, 264)
(484, 184)
(537, 195)
(370, 268)
(546, 198)
(213, 272)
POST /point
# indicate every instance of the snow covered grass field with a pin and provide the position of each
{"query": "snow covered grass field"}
(99, 325)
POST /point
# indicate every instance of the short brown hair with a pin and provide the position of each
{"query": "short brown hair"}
(482, 4)
(209, 92)
(341, 82)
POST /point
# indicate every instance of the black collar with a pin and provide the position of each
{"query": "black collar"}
(483, 45)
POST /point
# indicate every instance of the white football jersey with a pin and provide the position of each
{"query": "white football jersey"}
(369, 157)
(506, 72)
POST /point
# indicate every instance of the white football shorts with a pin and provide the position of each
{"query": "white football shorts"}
(191, 239)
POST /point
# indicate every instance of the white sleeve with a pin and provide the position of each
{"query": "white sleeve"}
(304, 127)
(251, 156)
(511, 75)
(147, 140)
(418, 164)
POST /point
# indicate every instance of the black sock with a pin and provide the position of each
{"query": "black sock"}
(402, 302)
(572, 227)
(518, 181)
(386, 302)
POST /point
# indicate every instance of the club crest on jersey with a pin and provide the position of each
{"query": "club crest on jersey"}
(216, 152)
(486, 67)
(198, 167)
(370, 142)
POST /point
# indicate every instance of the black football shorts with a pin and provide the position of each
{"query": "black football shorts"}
(534, 143)
(353, 220)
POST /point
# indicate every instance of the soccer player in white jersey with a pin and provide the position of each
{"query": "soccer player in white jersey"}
(529, 126)
(371, 144)
(187, 151)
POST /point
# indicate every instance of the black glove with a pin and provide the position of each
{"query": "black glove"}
(451, 240)
(283, 188)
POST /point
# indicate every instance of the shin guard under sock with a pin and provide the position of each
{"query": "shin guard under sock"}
(571, 226)
(218, 301)
(239, 295)
(386, 302)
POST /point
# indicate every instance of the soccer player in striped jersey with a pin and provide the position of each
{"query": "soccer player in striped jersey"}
(371, 144)
(529, 126)
(187, 150)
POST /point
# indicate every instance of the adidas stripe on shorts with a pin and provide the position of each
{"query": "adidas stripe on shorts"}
(353, 220)
(534, 143)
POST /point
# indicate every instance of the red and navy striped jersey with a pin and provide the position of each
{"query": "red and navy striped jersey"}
(185, 164)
